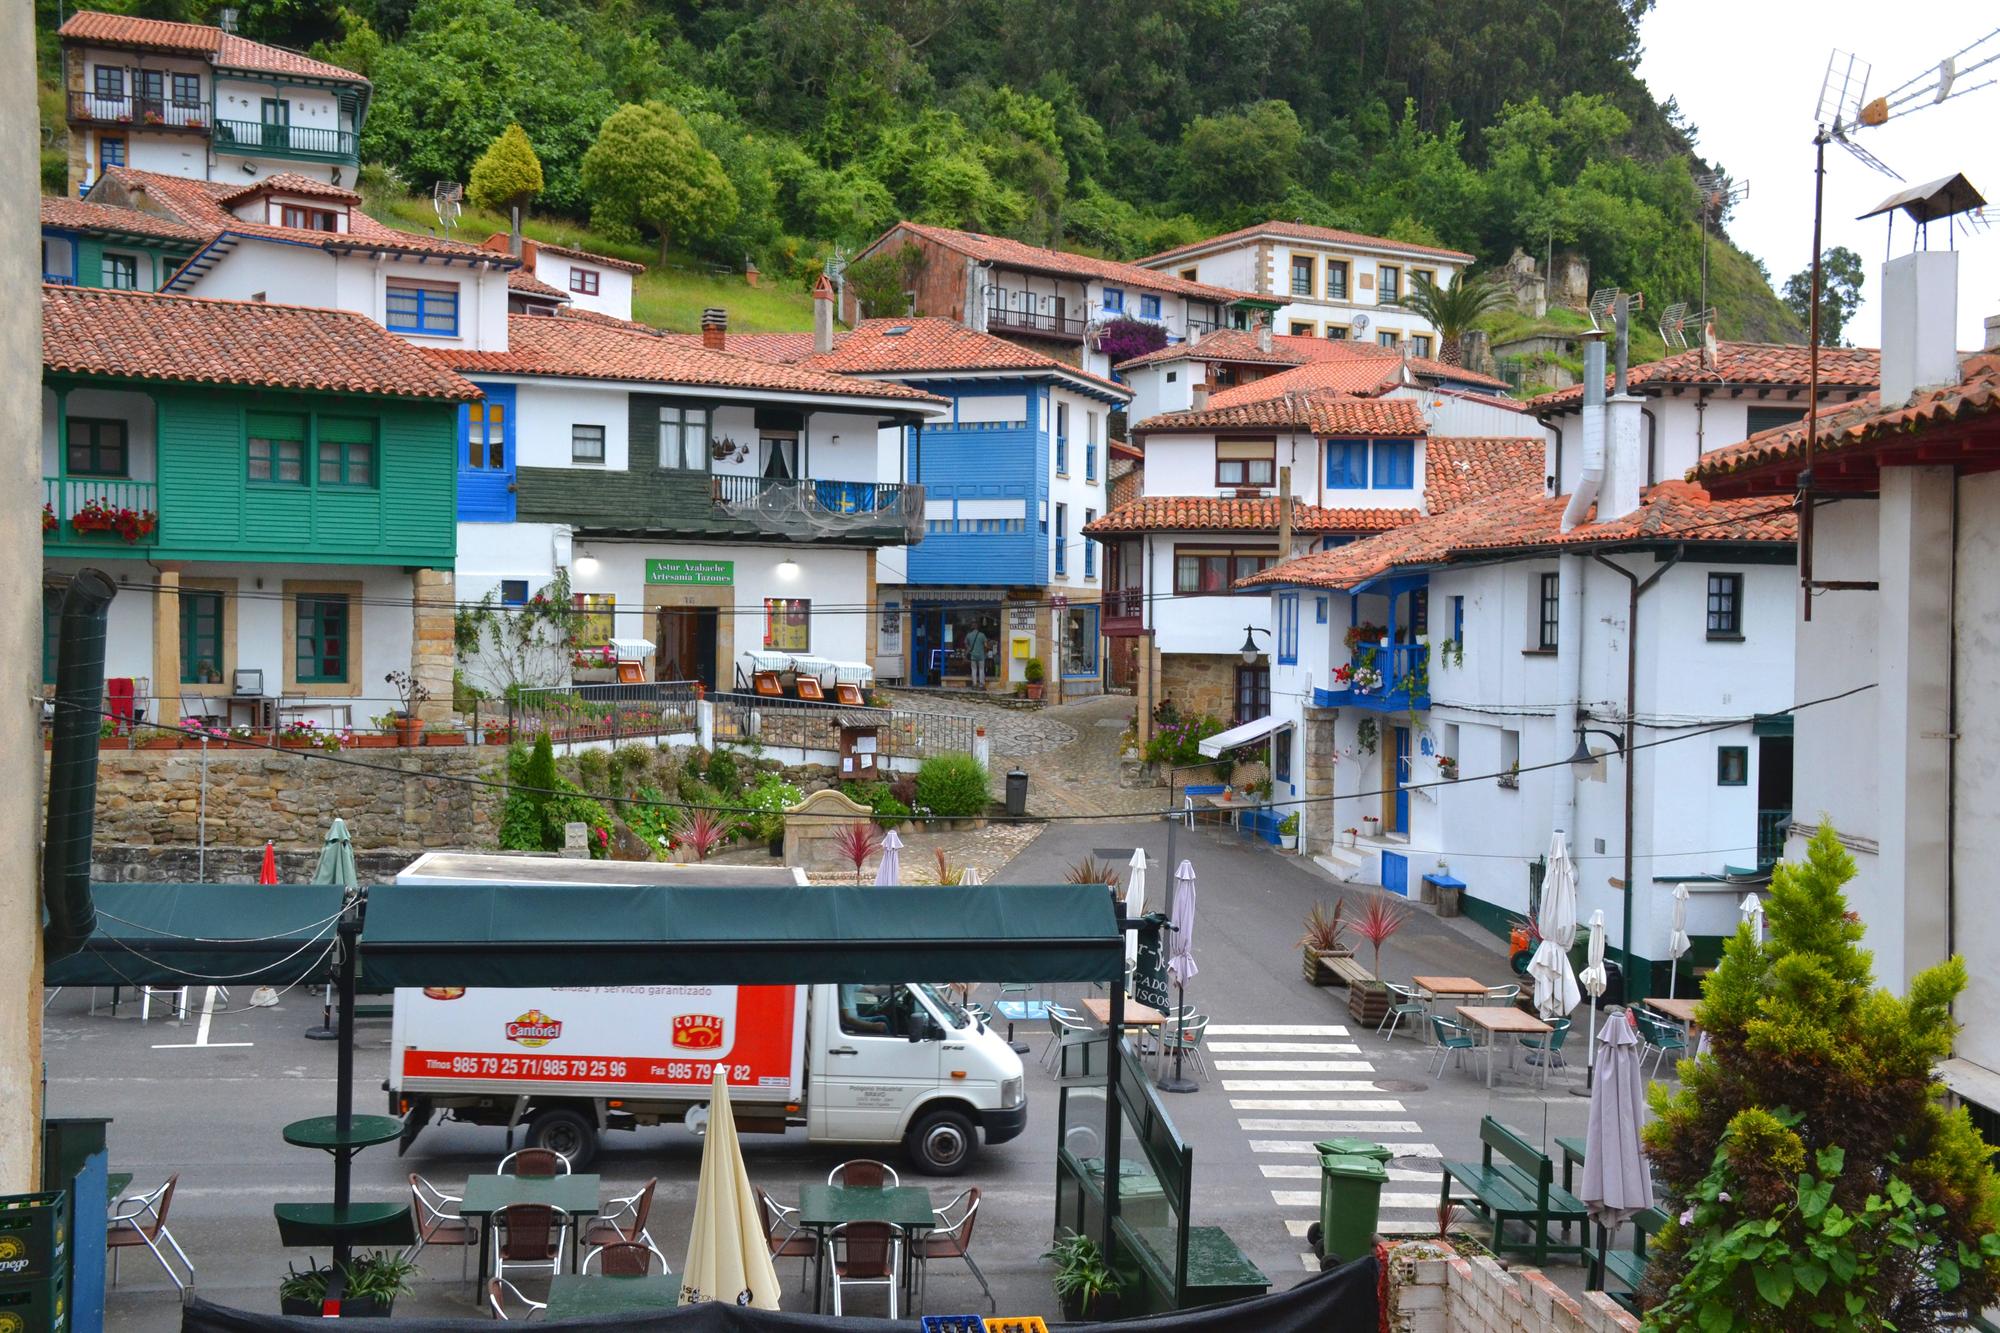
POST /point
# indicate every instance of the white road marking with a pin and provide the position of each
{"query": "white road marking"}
(1305, 1147)
(1333, 1127)
(1388, 1226)
(1283, 1047)
(1276, 1030)
(1347, 1085)
(201, 1040)
(1337, 1104)
(1289, 1066)
(1310, 1199)
(1287, 1172)
(1293, 1084)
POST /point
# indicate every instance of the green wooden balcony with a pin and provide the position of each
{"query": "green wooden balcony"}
(306, 143)
(93, 513)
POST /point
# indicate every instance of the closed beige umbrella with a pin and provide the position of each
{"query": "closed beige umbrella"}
(727, 1258)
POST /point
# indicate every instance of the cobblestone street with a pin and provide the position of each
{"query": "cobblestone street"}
(1070, 751)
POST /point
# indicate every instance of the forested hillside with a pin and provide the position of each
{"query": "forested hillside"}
(1119, 126)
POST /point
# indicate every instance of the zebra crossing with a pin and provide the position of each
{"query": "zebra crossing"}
(1292, 1084)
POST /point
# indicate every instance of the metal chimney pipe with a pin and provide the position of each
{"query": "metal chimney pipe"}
(1585, 494)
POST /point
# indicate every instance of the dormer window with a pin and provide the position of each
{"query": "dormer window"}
(301, 217)
(583, 281)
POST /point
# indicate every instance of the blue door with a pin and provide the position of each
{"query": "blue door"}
(486, 457)
(1402, 781)
(1396, 873)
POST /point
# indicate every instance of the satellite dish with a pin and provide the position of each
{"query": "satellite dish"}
(1361, 323)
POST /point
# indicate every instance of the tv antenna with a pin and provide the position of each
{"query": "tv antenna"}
(1680, 319)
(1718, 195)
(1604, 300)
(447, 198)
(1844, 110)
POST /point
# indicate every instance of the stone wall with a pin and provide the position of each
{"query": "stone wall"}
(1201, 682)
(1433, 1290)
(1316, 817)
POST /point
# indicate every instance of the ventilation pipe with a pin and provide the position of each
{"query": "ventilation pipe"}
(1264, 334)
(73, 766)
(1585, 494)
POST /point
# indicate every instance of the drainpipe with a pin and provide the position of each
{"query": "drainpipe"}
(73, 766)
(1569, 666)
(1587, 485)
(1638, 588)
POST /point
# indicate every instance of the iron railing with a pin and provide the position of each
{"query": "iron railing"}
(806, 724)
(125, 109)
(1004, 312)
(100, 501)
(611, 711)
(59, 279)
(1773, 827)
(312, 142)
(1386, 678)
(812, 506)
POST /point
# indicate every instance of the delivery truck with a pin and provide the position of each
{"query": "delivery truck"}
(874, 1063)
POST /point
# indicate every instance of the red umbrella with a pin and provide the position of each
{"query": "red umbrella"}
(268, 873)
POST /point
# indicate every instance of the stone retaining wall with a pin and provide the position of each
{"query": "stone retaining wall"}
(1433, 1290)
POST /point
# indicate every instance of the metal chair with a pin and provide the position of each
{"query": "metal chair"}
(624, 1258)
(497, 1292)
(864, 1173)
(785, 1237)
(533, 1162)
(141, 1219)
(866, 1254)
(1065, 1030)
(1185, 1035)
(1503, 994)
(1404, 1002)
(624, 1222)
(1550, 1046)
(1454, 1040)
(1660, 1037)
(952, 1239)
(528, 1237)
(439, 1223)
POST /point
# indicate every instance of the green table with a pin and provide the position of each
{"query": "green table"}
(571, 1294)
(824, 1207)
(114, 1185)
(574, 1195)
(363, 1131)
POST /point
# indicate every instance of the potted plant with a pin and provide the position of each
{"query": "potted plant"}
(302, 1292)
(1084, 1283)
(410, 692)
(443, 735)
(1368, 1001)
(1447, 768)
(1348, 836)
(1288, 831)
(1322, 939)
(1035, 674)
(374, 1281)
(301, 733)
(1373, 824)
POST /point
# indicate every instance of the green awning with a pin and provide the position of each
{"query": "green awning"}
(1771, 724)
(553, 935)
(186, 934)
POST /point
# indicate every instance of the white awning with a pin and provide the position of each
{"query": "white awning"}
(1243, 735)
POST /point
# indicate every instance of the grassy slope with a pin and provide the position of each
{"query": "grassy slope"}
(670, 299)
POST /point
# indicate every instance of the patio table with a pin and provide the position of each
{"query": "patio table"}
(824, 1207)
(1682, 1012)
(572, 1294)
(1432, 987)
(1501, 1020)
(1021, 1011)
(574, 1195)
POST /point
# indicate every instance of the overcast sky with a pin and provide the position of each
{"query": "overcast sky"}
(1747, 75)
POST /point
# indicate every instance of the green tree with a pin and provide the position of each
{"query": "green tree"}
(648, 170)
(507, 176)
(1841, 277)
(880, 281)
(1824, 1182)
(1238, 161)
(1453, 310)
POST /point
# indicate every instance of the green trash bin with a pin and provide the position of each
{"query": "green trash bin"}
(1350, 1201)
(1355, 1148)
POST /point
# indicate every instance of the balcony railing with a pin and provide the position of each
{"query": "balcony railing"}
(1391, 678)
(124, 109)
(59, 279)
(1773, 826)
(100, 511)
(1005, 312)
(311, 143)
(817, 507)
(1124, 611)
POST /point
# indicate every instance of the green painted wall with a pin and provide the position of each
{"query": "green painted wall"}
(155, 262)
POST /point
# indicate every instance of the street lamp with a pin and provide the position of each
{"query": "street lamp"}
(1251, 652)
(1583, 759)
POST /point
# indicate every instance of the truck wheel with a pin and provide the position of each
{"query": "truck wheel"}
(567, 1132)
(942, 1143)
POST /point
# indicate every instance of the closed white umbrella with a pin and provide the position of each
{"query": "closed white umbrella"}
(968, 877)
(1678, 942)
(1594, 976)
(1180, 961)
(1135, 901)
(1617, 1182)
(1752, 908)
(1556, 992)
(728, 1259)
(890, 871)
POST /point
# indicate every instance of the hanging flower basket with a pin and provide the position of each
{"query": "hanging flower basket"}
(97, 516)
(49, 520)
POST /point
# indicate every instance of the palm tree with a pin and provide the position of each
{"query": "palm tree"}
(1453, 310)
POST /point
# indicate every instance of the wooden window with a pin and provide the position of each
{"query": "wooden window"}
(788, 624)
(1388, 283)
(1246, 462)
(1302, 328)
(1090, 446)
(684, 438)
(1253, 693)
(1548, 620)
(109, 82)
(1420, 344)
(486, 435)
(1346, 465)
(1510, 758)
(1732, 766)
(301, 218)
(597, 615)
(110, 151)
(1062, 539)
(1725, 606)
(1388, 338)
(1767, 418)
(422, 307)
(346, 451)
(321, 652)
(1281, 756)
(97, 448)
(1089, 547)
(187, 90)
(1423, 275)
(586, 444)
(1395, 465)
(1213, 569)
(1339, 332)
(201, 638)
(1302, 275)
(583, 280)
(1191, 274)
(1336, 279)
(1062, 438)
(1288, 629)
(121, 272)
(277, 454)
(1079, 641)
(1319, 610)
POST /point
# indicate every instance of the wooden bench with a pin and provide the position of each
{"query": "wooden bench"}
(1348, 969)
(1519, 1188)
(1627, 1266)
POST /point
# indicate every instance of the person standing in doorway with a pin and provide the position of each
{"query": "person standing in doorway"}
(975, 653)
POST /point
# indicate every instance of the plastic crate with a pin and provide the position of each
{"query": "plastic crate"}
(1017, 1323)
(954, 1323)
(34, 1307)
(34, 1236)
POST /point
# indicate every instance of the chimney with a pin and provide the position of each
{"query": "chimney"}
(1201, 396)
(822, 316)
(1264, 334)
(1284, 514)
(1624, 458)
(1919, 324)
(715, 328)
(1194, 335)
(975, 297)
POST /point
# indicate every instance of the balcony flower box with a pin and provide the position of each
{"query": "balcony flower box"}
(50, 523)
(130, 524)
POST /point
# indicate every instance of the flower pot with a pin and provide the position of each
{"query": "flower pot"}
(353, 1307)
(373, 740)
(1036, 691)
(1368, 1003)
(498, 735)
(409, 731)
(297, 743)
(1314, 964)
(1289, 841)
(444, 738)
(114, 742)
(160, 743)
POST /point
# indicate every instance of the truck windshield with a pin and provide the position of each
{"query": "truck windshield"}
(947, 1010)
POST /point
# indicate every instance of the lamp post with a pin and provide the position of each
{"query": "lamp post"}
(1251, 652)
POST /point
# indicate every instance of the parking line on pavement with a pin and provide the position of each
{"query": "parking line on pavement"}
(1336, 1126)
(1308, 1148)
(201, 1041)
(1332, 1104)
(1283, 1047)
(1276, 1030)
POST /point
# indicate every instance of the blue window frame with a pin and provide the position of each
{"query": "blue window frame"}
(1458, 622)
(1149, 307)
(1288, 629)
(1346, 465)
(418, 307)
(1090, 460)
(1089, 547)
(1114, 300)
(1078, 629)
(1319, 610)
(110, 152)
(1062, 539)
(1395, 465)
(513, 592)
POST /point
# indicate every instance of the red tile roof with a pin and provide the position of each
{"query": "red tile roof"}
(527, 284)
(84, 215)
(931, 345)
(588, 349)
(1364, 376)
(182, 339)
(1320, 411)
(290, 182)
(1300, 231)
(1121, 449)
(1425, 542)
(223, 49)
(782, 348)
(1236, 345)
(1003, 253)
(1460, 469)
(1853, 436)
(1217, 513)
(499, 241)
(1782, 364)
(1369, 363)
